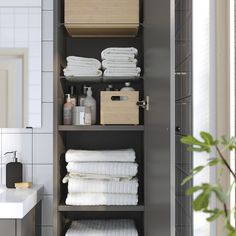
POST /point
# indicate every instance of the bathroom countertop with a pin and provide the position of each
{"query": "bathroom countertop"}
(16, 203)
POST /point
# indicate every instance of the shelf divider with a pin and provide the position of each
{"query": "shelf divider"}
(65, 128)
(65, 208)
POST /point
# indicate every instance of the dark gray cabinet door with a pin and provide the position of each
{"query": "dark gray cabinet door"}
(8, 227)
(159, 121)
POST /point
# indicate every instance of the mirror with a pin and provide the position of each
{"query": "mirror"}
(20, 63)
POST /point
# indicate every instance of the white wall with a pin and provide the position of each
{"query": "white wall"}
(35, 147)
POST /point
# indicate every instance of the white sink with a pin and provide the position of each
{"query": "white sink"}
(16, 203)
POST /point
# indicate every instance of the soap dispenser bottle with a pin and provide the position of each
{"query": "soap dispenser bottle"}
(90, 102)
(13, 171)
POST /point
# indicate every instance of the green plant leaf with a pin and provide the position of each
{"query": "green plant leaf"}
(219, 193)
(186, 179)
(208, 138)
(192, 190)
(193, 172)
(214, 162)
(216, 213)
(202, 201)
(197, 145)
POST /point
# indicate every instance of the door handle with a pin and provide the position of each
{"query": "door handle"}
(178, 129)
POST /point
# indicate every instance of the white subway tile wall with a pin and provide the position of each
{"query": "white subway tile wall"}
(21, 27)
(34, 146)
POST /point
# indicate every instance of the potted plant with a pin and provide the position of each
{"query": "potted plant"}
(206, 191)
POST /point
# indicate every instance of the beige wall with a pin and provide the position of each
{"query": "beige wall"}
(223, 83)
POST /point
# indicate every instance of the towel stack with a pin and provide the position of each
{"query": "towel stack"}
(101, 177)
(120, 62)
(82, 67)
(102, 228)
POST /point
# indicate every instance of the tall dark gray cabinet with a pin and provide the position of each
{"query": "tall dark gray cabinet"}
(153, 140)
(183, 96)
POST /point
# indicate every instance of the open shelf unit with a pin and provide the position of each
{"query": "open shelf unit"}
(96, 137)
(153, 139)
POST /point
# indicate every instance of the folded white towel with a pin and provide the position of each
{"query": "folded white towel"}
(123, 72)
(76, 185)
(113, 169)
(119, 57)
(102, 228)
(119, 64)
(95, 176)
(81, 67)
(125, 155)
(73, 60)
(119, 51)
(83, 72)
(106, 199)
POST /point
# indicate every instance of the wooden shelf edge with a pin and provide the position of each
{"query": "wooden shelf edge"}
(101, 128)
(63, 207)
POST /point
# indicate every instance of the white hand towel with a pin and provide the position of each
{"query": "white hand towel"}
(105, 199)
(122, 72)
(114, 169)
(76, 185)
(83, 72)
(125, 155)
(73, 60)
(117, 64)
(123, 227)
(126, 51)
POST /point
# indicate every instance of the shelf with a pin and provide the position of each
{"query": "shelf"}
(63, 207)
(90, 79)
(101, 128)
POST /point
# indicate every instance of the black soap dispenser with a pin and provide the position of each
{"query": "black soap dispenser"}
(13, 171)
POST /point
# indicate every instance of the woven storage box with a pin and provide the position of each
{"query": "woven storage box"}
(116, 111)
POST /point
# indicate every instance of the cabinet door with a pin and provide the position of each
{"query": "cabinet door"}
(159, 121)
(8, 227)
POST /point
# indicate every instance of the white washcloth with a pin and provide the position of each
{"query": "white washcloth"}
(123, 72)
(94, 176)
(102, 228)
(106, 199)
(83, 72)
(83, 61)
(119, 64)
(76, 185)
(114, 169)
(125, 155)
(119, 51)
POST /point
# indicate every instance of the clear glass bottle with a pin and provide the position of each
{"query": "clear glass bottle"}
(82, 96)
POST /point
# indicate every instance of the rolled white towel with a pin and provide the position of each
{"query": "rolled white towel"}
(76, 185)
(122, 51)
(113, 169)
(117, 64)
(105, 199)
(73, 60)
(124, 155)
(123, 72)
(102, 228)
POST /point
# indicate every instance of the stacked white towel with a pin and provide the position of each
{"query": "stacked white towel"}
(101, 177)
(82, 67)
(102, 228)
(120, 62)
